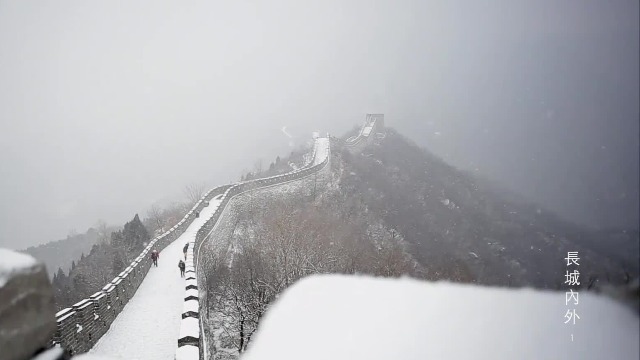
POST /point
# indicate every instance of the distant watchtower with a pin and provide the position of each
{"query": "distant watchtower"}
(378, 118)
(372, 129)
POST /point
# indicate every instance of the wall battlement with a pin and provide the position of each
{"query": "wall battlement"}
(191, 334)
(78, 328)
(373, 125)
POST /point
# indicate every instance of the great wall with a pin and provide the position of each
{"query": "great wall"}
(78, 328)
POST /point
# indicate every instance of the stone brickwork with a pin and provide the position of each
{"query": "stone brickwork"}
(189, 340)
(364, 138)
(81, 326)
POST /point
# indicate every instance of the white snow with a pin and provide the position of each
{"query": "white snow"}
(52, 354)
(95, 357)
(191, 292)
(322, 150)
(61, 318)
(191, 282)
(83, 304)
(190, 305)
(187, 352)
(190, 327)
(148, 326)
(350, 317)
(12, 263)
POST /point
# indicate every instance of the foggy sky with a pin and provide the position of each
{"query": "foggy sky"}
(106, 108)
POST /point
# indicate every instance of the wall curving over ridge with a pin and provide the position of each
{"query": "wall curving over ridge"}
(191, 337)
(79, 327)
(373, 125)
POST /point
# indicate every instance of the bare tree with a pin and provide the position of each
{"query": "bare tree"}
(156, 218)
(194, 192)
(104, 237)
(257, 167)
(173, 213)
(278, 241)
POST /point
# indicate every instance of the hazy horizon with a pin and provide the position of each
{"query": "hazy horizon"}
(108, 108)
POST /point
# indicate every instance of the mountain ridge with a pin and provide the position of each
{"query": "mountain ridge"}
(473, 223)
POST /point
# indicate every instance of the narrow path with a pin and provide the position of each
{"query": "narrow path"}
(322, 150)
(148, 326)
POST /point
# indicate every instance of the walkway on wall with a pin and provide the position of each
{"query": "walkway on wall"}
(148, 326)
(322, 150)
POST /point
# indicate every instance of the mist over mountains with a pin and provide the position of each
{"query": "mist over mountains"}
(454, 220)
(538, 95)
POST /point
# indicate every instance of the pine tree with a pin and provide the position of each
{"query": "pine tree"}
(60, 276)
(81, 286)
(118, 264)
(135, 234)
(60, 290)
(117, 239)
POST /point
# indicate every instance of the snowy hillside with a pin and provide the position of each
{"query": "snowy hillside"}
(347, 317)
(466, 229)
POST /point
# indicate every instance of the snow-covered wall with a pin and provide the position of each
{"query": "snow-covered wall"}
(373, 125)
(81, 326)
(191, 331)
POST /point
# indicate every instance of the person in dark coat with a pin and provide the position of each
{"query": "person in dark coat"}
(181, 266)
(184, 250)
(154, 257)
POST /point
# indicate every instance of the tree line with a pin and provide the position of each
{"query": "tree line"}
(107, 258)
(271, 241)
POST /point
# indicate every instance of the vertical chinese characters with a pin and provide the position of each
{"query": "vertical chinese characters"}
(572, 278)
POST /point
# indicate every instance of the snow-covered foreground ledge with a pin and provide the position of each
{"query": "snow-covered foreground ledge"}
(14, 263)
(350, 317)
(26, 305)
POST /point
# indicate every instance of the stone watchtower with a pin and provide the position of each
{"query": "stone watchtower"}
(378, 118)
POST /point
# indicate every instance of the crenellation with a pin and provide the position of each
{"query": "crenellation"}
(102, 320)
(189, 338)
(78, 328)
(66, 330)
(83, 323)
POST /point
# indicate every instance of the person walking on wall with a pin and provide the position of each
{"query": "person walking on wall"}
(181, 267)
(154, 257)
(184, 250)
